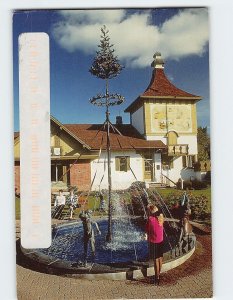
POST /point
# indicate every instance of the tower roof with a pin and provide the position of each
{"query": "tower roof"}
(160, 87)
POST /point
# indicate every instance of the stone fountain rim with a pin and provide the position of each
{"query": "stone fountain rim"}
(108, 271)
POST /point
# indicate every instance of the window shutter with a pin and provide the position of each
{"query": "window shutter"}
(184, 161)
(171, 163)
(128, 163)
(117, 163)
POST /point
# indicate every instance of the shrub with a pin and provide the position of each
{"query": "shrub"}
(138, 185)
(207, 178)
(199, 185)
(198, 205)
(192, 185)
(197, 166)
(187, 185)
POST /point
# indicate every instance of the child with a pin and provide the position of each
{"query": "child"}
(154, 235)
(73, 202)
(59, 205)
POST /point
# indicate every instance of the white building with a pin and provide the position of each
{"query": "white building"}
(159, 146)
(165, 114)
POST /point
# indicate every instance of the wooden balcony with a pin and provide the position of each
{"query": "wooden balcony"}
(178, 149)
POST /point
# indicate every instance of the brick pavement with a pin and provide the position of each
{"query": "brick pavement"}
(193, 279)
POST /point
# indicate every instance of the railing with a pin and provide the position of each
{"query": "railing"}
(178, 149)
(168, 179)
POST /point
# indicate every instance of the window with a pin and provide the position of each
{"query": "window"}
(167, 162)
(56, 172)
(172, 138)
(188, 161)
(122, 163)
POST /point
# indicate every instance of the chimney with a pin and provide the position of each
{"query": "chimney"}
(119, 120)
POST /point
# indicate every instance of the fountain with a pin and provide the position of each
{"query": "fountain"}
(125, 256)
(120, 250)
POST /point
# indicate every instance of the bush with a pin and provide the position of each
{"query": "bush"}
(198, 205)
(207, 178)
(199, 185)
(138, 185)
(192, 185)
(187, 185)
(197, 166)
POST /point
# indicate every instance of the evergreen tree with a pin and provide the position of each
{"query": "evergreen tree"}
(203, 141)
(105, 64)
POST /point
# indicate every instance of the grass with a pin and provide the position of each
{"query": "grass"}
(165, 192)
(196, 193)
(93, 202)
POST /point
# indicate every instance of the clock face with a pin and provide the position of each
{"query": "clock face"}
(168, 117)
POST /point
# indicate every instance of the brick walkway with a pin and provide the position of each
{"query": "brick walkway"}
(190, 280)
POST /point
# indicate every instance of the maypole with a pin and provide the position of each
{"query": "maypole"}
(106, 66)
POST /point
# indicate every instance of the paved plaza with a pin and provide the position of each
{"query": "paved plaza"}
(193, 279)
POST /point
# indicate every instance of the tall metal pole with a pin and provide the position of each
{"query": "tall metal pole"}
(106, 66)
(109, 233)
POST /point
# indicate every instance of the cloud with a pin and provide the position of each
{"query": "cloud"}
(135, 37)
(93, 16)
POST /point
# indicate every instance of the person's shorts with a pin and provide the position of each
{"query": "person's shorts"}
(155, 250)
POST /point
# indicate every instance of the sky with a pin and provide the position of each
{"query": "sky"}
(181, 35)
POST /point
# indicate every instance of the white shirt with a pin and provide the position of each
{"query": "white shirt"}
(60, 200)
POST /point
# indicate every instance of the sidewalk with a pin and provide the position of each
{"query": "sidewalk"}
(190, 280)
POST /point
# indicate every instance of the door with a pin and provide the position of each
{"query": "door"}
(148, 168)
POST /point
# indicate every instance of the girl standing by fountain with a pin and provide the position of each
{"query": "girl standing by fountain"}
(154, 235)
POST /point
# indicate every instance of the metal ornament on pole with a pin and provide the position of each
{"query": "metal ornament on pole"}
(108, 100)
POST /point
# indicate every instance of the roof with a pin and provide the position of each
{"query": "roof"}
(67, 130)
(161, 88)
(95, 136)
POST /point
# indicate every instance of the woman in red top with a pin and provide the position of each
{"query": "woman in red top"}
(154, 235)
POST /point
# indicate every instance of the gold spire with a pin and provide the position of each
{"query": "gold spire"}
(158, 62)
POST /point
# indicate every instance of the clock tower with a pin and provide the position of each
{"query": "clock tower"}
(167, 113)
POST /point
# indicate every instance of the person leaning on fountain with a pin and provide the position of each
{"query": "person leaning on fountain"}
(59, 204)
(154, 235)
(88, 233)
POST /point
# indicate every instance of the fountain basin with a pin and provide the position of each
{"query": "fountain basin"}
(125, 258)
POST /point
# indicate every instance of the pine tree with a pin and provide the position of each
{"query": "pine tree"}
(203, 141)
(105, 64)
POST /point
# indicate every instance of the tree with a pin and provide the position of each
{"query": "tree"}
(105, 64)
(203, 141)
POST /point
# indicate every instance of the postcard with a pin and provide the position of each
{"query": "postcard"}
(112, 153)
